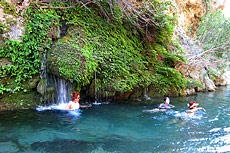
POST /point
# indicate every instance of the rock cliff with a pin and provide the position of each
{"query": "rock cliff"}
(189, 14)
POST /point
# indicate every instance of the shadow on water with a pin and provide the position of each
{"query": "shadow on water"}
(110, 143)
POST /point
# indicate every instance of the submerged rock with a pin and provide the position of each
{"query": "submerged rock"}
(64, 145)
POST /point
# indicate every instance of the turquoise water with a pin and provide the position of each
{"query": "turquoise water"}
(121, 128)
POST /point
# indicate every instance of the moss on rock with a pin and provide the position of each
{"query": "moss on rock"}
(20, 100)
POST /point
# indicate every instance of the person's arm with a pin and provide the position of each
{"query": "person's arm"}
(160, 106)
(201, 108)
(172, 106)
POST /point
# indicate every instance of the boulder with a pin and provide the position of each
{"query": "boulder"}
(41, 88)
(138, 92)
(195, 74)
(31, 83)
(209, 84)
(220, 81)
(153, 92)
(190, 92)
(172, 92)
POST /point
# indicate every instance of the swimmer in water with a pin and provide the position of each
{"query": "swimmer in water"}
(193, 107)
(166, 104)
(74, 104)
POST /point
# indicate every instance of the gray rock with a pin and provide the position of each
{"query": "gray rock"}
(41, 88)
(209, 84)
(190, 92)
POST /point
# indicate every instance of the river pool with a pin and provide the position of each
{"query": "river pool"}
(121, 128)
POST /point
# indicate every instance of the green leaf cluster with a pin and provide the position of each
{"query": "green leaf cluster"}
(8, 8)
(214, 34)
(112, 49)
(114, 52)
(25, 56)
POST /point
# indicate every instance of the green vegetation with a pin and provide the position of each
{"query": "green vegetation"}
(213, 33)
(113, 49)
(2, 28)
(115, 53)
(8, 8)
(193, 83)
(26, 55)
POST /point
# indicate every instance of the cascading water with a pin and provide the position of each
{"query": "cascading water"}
(145, 93)
(62, 90)
(56, 92)
(43, 77)
(95, 77)
(98, 92)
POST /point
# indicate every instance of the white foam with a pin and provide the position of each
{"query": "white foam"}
(225, 139)
(198, 140)
(225, 148)
(215, 130)
(227, 129)
(185, 115)
(215, 119)
(59, 107)
(52, 107)
(104, 103)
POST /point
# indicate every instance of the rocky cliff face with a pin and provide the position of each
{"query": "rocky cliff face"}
(191, 12)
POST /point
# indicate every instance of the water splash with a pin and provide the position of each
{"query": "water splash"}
(52, 107)
(185, 116)
(58, 93)
(146, 95)
(61, 107)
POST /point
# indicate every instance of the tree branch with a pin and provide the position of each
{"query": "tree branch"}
(209, 51)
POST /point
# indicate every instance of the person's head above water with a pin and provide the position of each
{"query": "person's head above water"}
(192, 104)
(75, 95)
(166, 100)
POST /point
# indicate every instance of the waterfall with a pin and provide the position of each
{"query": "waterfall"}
(54, 90)
(58, 93)
(145, 93)
(62, 88)
(95, 77)
(43, 77)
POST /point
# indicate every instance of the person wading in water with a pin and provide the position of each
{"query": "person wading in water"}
(74, 104)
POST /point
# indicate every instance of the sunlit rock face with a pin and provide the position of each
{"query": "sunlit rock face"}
(190, 13)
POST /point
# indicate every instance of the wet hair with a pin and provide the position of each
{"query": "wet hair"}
(190, 104)
(75, 95)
